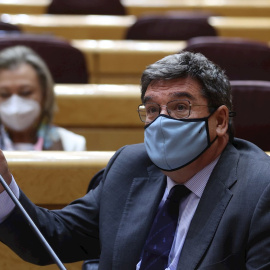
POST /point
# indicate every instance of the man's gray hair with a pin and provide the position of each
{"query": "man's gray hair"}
(215, 85)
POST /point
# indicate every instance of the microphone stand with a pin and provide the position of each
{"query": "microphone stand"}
(32, 224)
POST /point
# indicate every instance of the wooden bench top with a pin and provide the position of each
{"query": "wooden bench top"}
(51, 179)
(93, 105)
(73, 26)
(55, 177)
(245, 27)
(251, 8)
(24, 6)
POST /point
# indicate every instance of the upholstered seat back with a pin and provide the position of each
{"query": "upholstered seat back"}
(7, 27)
(241, 59)
(171, 26)
(66, 63)
(106, 7)
(251, 101)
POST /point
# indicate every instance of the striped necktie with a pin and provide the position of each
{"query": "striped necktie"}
(159, 242)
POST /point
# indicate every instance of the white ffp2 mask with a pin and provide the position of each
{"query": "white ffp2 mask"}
(19, 113)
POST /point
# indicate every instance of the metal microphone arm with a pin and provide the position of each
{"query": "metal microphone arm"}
(32, 224)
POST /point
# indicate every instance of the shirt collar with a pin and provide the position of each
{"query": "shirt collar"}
(197, 183)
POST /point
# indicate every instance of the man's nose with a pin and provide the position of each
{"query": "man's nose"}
(163, 110)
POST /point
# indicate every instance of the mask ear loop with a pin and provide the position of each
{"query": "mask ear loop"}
(232, 114)
(208, 135)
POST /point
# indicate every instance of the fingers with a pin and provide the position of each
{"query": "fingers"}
(4, 170)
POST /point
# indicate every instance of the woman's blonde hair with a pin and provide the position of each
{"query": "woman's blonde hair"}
(12, 57)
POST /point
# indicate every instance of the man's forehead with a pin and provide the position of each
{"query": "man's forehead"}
(176, 82)
(174, 87)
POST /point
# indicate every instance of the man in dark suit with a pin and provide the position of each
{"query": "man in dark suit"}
(224, 218)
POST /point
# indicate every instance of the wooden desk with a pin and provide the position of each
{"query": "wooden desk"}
(250, 8)
(106, 115)
(51, 179)
(114, 27)
(63, 176)
(73, 26)
(123, 61)
(245, 27)
(24, 6)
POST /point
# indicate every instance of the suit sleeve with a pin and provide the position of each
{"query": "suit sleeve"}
(73, 232)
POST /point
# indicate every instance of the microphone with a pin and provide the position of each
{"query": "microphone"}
(32, 224)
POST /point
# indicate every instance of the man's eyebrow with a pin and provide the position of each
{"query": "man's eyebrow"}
(147, 98)
(182, 95)
(174, 95)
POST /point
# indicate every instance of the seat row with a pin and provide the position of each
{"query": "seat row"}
(107, 114)
(116, 27)
(123, 61)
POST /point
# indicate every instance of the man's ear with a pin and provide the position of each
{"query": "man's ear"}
(222, 120)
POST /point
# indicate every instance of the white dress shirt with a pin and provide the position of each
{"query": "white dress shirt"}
(6, 203)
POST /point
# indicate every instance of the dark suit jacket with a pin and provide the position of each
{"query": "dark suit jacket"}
(230, 228)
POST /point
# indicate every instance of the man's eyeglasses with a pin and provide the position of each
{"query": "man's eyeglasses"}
(178, 109)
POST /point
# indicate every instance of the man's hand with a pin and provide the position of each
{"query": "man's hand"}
(4, 171)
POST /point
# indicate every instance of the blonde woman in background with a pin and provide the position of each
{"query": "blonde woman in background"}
(27, 105)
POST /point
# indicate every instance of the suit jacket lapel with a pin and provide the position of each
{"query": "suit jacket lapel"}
(210, 210)
(136, 221)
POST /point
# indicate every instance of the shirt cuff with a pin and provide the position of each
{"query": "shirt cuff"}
(6, 203)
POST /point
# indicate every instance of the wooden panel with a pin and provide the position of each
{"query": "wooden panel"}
(74, 26)
(98, 105)
(24, 6)
(10, 261)
(110, 139)
(51, 178)
(253, 8)
(55, 177)
(142, 7)
(246, 27)
(237, 8)
(123, 61)
(106, 115)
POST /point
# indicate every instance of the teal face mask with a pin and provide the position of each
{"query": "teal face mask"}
(173, 143)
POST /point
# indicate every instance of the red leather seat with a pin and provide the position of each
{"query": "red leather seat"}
(106, 7)
(66, 63)
(241, 59)
(7, 27)
(171, 26)
(251, 102)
